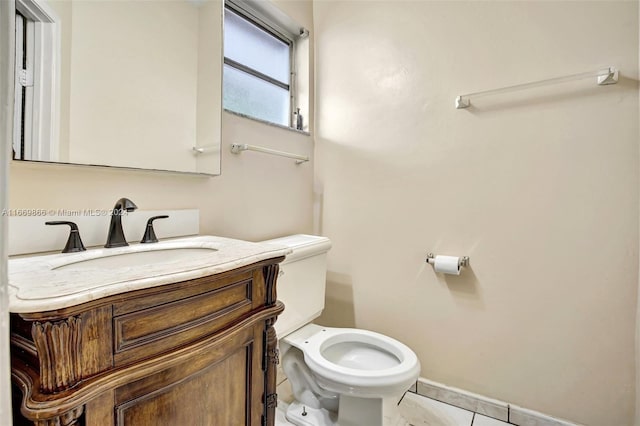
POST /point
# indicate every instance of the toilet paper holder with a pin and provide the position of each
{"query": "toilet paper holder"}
(464, 260)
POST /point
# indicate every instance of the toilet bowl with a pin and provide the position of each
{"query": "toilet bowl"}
(347, 360)
(339, 376)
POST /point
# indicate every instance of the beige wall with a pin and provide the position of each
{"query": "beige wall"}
(257, 196)
(539, 188)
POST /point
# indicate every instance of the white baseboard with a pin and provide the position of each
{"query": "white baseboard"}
(496, 409)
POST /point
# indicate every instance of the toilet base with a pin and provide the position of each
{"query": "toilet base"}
(353, 412)
(300, 415)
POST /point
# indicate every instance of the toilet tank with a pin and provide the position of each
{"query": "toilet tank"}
(301, 281)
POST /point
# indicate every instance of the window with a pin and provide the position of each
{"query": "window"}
(258, 63)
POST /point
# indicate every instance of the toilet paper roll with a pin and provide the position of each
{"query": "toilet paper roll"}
(447, 264)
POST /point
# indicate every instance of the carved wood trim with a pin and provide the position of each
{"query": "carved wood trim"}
(270, 379)
(273, 356)
(70, 418)
(272, 400)
(270, 273)
(58, 345)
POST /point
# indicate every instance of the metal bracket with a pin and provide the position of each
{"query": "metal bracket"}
(205, 149)
(26, 78)
(610, 78)
(464, 260)
(462, 103)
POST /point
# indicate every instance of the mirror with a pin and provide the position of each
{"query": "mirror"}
(132, 83)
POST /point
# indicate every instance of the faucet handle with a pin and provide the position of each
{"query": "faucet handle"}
(149, 233)
(74, 242)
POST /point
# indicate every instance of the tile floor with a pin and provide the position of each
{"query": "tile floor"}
(417, 410)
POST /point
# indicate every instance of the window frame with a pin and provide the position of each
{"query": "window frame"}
(267, 25)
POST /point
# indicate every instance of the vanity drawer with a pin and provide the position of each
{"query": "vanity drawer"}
(155, 329)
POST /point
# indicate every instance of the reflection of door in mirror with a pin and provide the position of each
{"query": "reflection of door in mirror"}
(119, 83)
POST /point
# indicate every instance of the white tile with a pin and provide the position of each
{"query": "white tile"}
(420, 411)
(480, 420)
(524, 417)
(463, 399)
(284, 392)
(414, 388)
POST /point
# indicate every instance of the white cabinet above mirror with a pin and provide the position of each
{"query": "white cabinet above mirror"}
(132, 83)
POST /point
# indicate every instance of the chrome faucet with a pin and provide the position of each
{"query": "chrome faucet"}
(116, 238)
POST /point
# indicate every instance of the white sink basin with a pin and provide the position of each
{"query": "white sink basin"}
(170, 255)
(138, 258)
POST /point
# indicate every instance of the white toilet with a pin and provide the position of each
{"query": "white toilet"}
(339, 376)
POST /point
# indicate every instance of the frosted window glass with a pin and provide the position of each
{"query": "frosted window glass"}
(246, 94)
(251, 46)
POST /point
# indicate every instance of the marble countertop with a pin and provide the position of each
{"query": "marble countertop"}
(45, 282)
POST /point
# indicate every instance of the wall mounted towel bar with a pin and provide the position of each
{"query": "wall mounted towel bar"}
(205, 149)
(603, 77)
(237, 148)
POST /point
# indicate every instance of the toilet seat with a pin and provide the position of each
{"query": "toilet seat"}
(354, 361)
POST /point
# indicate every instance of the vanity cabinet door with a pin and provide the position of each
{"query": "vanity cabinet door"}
(220, 387)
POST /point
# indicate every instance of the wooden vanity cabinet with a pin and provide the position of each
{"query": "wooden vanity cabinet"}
(197, 352)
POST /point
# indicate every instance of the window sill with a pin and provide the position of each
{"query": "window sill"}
(268, 123)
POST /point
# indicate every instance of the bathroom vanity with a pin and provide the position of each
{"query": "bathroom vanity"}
(185, 339)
